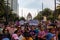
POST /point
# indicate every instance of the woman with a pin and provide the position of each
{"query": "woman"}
(41, 34)
(15, 35)
(32, 32)
(26, 35)
(6, 35)
(51, 34)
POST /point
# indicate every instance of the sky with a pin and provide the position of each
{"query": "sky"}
(33, 6)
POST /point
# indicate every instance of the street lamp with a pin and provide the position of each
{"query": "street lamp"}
(54, 10)
(42, 6)
(12, 5)
(55, 5)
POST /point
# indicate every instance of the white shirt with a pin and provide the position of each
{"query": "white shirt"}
(20, 37)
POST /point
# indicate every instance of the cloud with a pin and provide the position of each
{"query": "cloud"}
(26, 11)
(48, 4)
(33, 5)
(36, 4)
(22, 3)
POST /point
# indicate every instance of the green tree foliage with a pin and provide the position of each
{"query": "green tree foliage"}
(4, 10)
(22, 18)
(2, 5)
(51, 15)
(56, 12)
(46, 12)
(39, 17)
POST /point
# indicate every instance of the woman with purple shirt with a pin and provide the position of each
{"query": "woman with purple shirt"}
(41, 34)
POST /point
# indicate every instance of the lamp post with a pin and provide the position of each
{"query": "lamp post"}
(12, 5)
(42, 6)
(54, 10)
(55, 5)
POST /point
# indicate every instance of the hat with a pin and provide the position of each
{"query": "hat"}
(15, 36)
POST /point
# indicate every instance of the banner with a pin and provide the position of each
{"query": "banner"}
(34, 22)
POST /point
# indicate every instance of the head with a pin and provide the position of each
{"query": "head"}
(12, 26)
(32, 28)
(26, 30)
(18, 32)
(5, 31)
(52, 30)
(26, 34)
(19, 28)
(41, 28)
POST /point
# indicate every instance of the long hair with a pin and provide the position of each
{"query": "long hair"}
(5, 30)
(26, 34)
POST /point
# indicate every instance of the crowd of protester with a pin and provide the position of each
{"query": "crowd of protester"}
(44, 31)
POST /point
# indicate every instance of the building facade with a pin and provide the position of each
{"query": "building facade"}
(13, 5)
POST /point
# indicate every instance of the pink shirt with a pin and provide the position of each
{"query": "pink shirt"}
(41, 34)
(11, 30)
(15, 36)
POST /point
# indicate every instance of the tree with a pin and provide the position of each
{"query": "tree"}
(2, 5)
(22, 18)
(13, 17)
(57, 11)
(39, 16)
(3, 8)
(46, 12)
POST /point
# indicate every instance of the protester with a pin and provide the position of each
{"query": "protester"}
(43, 31)
(15, 35)
(33, 32)
(21, 37)
(51, 34)
(12, 29)
(20, 33)
(6, 35)
(26, 35)
(41, 34)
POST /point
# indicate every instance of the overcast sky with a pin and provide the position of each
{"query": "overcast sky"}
(33, 6)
